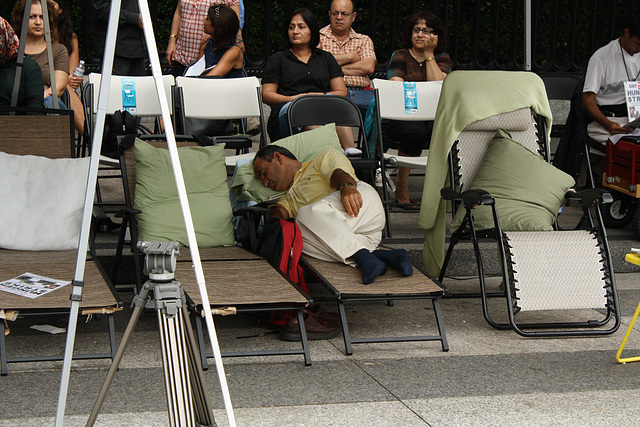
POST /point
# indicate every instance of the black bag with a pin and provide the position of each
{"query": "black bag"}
(120, 132)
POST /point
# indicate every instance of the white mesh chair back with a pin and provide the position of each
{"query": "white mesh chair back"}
(557, 270)
(147, 103)
(473, 141)
(392, 100)
(204, 98)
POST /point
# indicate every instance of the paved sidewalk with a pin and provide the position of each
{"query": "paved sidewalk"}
(488, 377)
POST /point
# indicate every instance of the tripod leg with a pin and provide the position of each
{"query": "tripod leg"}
(204, 411)
(174, 358)
(139, 302)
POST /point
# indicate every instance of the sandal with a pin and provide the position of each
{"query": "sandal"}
(411, 206)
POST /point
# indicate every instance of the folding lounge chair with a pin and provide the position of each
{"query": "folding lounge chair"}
(215, 99)
(237, 280)
(390, 105)
(345, 284)
(319, 110)
(504, 189)
(48, 136)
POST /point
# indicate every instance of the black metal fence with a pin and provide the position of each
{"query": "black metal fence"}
(482, 34)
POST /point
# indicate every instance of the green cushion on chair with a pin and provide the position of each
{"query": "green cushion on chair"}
(156, 195)
(528, 191)
(304, 145)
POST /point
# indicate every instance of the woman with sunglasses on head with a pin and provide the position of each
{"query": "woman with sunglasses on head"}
(187, 34)
(222, 55)
(421, 59)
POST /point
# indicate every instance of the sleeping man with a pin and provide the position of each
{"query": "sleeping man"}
(341, 218)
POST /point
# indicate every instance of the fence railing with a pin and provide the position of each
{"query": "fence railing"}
(482, 34)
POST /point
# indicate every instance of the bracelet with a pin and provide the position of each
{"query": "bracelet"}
(431, 58)
(173, 36)
(347, 184)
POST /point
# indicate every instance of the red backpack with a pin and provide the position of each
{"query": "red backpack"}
(281, 245)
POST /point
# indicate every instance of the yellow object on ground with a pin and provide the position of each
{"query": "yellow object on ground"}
(633, 258)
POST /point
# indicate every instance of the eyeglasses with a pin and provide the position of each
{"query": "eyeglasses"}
(335, 14)
(425, 31)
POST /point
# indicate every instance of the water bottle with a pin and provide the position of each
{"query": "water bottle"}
(79, 70)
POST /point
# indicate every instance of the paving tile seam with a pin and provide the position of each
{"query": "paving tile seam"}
(385, 388)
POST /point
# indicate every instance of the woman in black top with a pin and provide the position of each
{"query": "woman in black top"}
(302, 69)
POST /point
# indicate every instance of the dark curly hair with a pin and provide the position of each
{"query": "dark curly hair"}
(310, 19)
(432, 22)
(18, 11)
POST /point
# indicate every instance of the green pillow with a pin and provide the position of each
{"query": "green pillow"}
(304, 145)
(156, 195)
(528, 191)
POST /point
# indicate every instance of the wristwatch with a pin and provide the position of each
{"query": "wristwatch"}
(347, 184)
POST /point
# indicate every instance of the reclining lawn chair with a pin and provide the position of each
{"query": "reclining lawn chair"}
(237, 280)
(503, 188)
(342, 281)
(43, 193)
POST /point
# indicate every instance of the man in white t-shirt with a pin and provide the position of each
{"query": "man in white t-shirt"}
(603, 94)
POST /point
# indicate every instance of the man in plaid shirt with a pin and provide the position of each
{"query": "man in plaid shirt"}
(354, 52)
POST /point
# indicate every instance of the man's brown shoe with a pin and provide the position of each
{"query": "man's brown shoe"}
(317, 311)
(316, 329)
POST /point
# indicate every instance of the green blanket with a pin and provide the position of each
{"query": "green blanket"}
(466, 97)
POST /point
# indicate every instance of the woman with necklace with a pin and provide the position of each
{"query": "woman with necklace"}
(302, 69)
(36, 47)
(421, 59)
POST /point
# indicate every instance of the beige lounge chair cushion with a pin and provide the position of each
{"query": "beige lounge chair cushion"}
(528, 191)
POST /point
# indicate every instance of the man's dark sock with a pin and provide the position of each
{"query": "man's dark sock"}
(371, 266)
(396, 258)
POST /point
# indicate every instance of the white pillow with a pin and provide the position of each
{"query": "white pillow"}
(42, 202)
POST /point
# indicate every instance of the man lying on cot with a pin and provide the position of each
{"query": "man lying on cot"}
(341, 218)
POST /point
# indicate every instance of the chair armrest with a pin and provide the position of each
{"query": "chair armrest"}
(469, 198)
(590, 196)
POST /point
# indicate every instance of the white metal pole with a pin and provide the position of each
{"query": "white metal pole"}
(527, 35)
(83, 243)
(184, 202)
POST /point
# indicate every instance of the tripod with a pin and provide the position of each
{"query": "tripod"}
(187, 398)
(76, 293)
